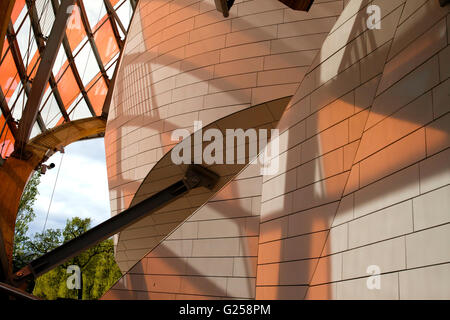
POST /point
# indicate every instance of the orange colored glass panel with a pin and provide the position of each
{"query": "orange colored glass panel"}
(114, 2)
(9, 80)
(6, 144)
(67, 86)
(97, 93)
(33, 64)
(106, 42)
(75, 30)
(18, 7)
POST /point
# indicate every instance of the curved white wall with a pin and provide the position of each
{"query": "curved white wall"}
(364, 165)
(183, 62)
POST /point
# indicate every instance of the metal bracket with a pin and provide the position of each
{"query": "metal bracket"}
(300, 5)
(14, 292)
(224, 6)
(195, 177)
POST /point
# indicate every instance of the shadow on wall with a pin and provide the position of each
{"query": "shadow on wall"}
(326, 176)
(327, 173)
(142, 68)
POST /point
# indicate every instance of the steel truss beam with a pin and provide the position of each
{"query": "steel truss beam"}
(115, 21)
(8, 116)
(21, 70)
(42, 76)
(196, 176)
(16, 293)
(90, 36)
(6, 7)
(108, 98)
(134, 4)
(73, 67)
(41, 47)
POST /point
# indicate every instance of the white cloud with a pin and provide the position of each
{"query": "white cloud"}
(81, 189)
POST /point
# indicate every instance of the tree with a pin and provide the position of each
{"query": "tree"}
(25, 216)
(98, 268)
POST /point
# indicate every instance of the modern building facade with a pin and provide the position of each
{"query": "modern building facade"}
(360, 208)
(354, 93)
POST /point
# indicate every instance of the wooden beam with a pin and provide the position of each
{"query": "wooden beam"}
(6, 7)
(37, 31)
(42, 76)
(14, 173)
(72, 65)
(91, 40)
(21, 70)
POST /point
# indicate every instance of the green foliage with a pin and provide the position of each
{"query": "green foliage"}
(25, 215)
(98, 267)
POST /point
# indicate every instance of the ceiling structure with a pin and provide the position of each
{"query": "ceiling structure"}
(78, 83)
(81, 75)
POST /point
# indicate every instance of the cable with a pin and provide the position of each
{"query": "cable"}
(53, 193)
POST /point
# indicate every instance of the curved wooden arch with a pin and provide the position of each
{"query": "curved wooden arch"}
(14, 174)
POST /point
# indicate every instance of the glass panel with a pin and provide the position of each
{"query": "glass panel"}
(81, 111)
(97, 93)
(68, 87)
(106, 42)
(33, 65)
(86, 64)
(114, 2)
(25, 38)
(95, 9)
(60, 62)
(19, 100)
(18, 10)
(46, 16)
(51, 113)
(35, 131)
(124, 12)
(111, 68)
(6, 139)
(75, 30)
(9, 79)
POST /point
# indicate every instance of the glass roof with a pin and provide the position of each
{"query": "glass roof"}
(81, 75)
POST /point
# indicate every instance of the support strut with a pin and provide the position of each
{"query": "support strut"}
(195, 177)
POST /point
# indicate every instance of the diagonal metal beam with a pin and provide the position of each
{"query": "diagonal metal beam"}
(90, 36)
(42, 76)
(7, 114)
(195, 177)
(108, 98)
(72, 64)
(115, 20)
(109, 94)
(6, 7)
(134, 4)
(39, 37)
(21, 70)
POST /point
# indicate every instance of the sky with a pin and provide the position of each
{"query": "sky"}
(81, 189)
